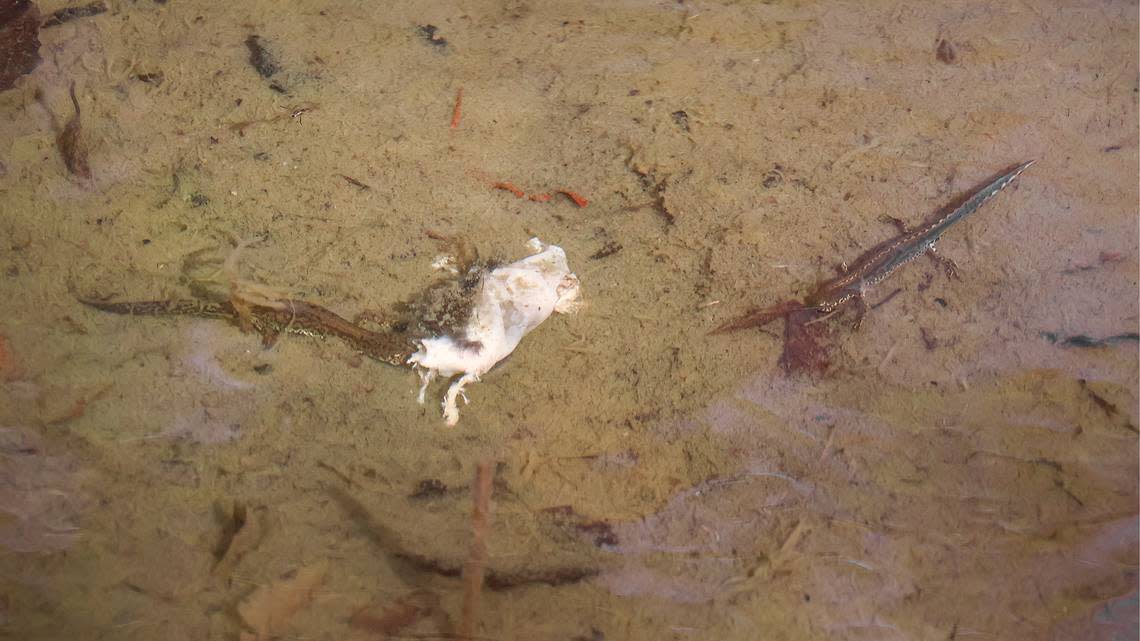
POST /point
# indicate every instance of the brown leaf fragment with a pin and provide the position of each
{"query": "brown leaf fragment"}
(241, 535)
(805, 350)
(270, 608)
(946, 53)
(404, 612)
(71, 144)
(19, 40)
(68, 14)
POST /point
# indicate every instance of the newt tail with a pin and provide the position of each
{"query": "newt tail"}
(287, 316)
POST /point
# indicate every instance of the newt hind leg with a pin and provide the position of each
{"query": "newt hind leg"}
(947, 264)
(860, 305)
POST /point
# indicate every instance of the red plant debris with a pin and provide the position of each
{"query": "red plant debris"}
(578, 199)
(457, 113)
(575, 197)
(505, 186)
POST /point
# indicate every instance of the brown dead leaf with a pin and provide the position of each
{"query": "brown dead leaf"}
(242, 534)
(390, 619)
(805, 346)
(268, 610)
(10, 370)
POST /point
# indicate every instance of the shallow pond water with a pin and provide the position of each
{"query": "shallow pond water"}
(965, 467)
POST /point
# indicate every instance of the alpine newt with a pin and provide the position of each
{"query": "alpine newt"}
(850, 288)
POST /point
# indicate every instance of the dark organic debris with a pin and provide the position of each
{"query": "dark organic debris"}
(601, 532)
(355, 183)
(428, 489)
(410, 563)
(1109, 409)
(1084, 340)
(928, 339)
(946, 52)
(499, 580)
(555, 577)
(19, 40)
(774, 177)
(73, 13)
(154, 78)
(1104, 258)
(607, 250)
(260, 58)
(430, 33)
(655, 187)
(595, 635)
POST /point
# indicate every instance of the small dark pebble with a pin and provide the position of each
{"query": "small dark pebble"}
(1111, 148)
(275, 86)
(430, 33)
(428, 489)
(928, 339)
(198, 200)
(774, 178)
(263, 368)
(72, 13)
(941, 301)
(146, 241)
(595, 635)
(261, 155)
(682, 120)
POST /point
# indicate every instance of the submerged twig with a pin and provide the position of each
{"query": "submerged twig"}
(475, 567)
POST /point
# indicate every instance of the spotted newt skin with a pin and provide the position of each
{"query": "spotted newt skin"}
(878, 263)
(292, 316)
